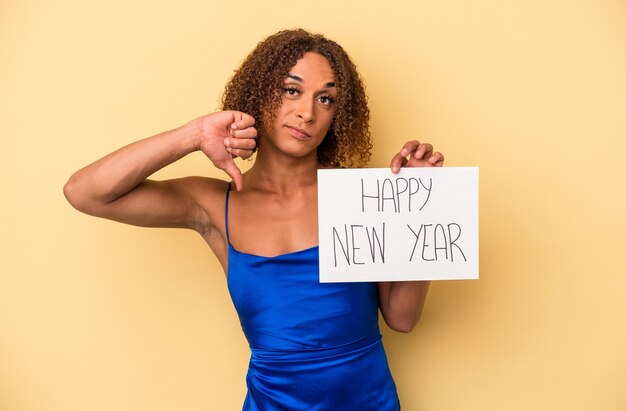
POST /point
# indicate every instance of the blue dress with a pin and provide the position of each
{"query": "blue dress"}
(314, 346)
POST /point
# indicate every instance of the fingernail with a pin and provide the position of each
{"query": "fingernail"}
(227, 142)
(404, 152)
(395, 169)
(233, 126)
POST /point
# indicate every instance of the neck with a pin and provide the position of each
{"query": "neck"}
(281, 174)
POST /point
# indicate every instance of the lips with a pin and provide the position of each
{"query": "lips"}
(298, 133)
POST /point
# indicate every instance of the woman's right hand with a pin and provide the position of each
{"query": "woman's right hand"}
(117, 186)
(225, 135)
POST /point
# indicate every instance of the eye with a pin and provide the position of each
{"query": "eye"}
(326, 100)
(291, 91)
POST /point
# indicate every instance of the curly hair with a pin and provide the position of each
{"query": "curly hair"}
(256, 89)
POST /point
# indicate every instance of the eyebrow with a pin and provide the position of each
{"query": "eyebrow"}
(301, 80)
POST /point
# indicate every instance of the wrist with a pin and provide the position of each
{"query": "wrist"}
(192, 135)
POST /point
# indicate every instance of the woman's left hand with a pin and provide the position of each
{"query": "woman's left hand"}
(416, 154)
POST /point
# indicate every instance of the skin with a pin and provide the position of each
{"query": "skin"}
(276, 199)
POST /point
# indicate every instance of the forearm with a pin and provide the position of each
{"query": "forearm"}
(116, 174)
(401, 303)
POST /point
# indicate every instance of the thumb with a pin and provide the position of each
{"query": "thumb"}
(233, 171)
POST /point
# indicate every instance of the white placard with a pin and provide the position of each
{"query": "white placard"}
(419, 224)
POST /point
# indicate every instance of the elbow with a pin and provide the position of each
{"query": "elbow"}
(403, 328)
(74, 195)
(401, 303)
(70, 192)
(403, 324)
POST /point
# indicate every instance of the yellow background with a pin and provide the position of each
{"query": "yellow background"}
(100, 316)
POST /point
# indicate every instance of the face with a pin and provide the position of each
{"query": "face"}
(308, 106)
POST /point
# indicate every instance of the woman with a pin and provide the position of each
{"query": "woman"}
(299, 100)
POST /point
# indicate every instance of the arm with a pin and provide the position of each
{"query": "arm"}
(401, 302)
(116, 186)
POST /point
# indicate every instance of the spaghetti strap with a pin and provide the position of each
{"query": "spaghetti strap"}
(226, 213)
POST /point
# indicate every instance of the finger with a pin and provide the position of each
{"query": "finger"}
(423, 151)
(397, 162)
(248, 132)
(409, 147)
(399, 159)
(241, 153)
(436, 159)
(240, 144)
(242, 120)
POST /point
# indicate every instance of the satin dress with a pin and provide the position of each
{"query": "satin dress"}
(314, 346)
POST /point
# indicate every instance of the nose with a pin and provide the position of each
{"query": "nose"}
(306, 110)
